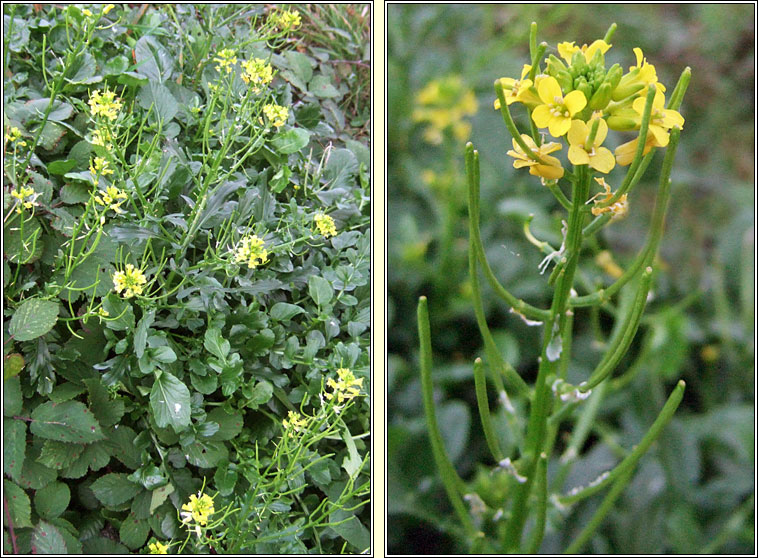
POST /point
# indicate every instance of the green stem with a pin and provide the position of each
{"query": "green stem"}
(539, 528)
(484, 411)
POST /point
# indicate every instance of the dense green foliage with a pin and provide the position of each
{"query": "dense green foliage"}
(186, 274)
(693, 491)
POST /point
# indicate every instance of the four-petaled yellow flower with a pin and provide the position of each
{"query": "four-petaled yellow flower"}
(257, 73)
(294, 421)
(158, 548)
(13, 135)
(226, 59)
(347, 387)
(276, 114)
(583, 153)
(251, 250)
(567, 50)
(557, 111)
(284, 20)
(325, 225)
(105, 104)
(617, 209)
(198, 509)
(111, 197)
(102, 138)
(661, 118)
(131, 281)
(519, 90)
(550, 169)
(99, 167)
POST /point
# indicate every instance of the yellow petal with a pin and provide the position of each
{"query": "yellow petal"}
(549, 89)
(602, 132)
(577, 134)
(578, 156)
(559, 125)
(550, 147)
(603, 160)
(672, 119)
(661, 136)
(567, 50)
(541, 116)
(574, 101)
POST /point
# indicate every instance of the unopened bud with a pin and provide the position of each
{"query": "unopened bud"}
(601, 97)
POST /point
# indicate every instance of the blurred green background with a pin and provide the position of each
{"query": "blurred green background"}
(694, 491)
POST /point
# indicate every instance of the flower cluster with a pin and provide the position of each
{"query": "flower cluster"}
(105, 104)
(347, 387)
(277, 115)
(256, 73)
(294, 421)
(99, 167)
(112, 198)
(158, 548)
(444, 104)
(198, 509)
(284, 20)
(25, 197)
(325, 225)
(14, 135)
(251, 250)
(226, 60)
(577, 97)
(131, 281)
(102, 138)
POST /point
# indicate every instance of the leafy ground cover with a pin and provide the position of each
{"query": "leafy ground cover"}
(694, 492)
(186, 258)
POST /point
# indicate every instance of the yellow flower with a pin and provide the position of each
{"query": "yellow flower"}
(556, 112)
(99, 167)
(325, 225)
(257, 73)
(551, 169)
(567, 50)
(86, 12)
(276, 114)
(347, 387)
(25, 196)
(443, 104)
(105, 104)
(638, 79)
(198, 509)
(107, 9)
(226, 59)
(102, 138)
(251, 250)
(582, 153)
(110, 198)
(131, 281)
(617, 210)
(284, 20)
(13, 135)
(520, 90)
(158, 548)
(295, 421)
(661, 118)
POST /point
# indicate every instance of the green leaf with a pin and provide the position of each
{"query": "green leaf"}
(351, 529)
(19, 506)
(23, 246)
(153, 60)
(225, 478)
(261, 394)
(12, 400)
(165, 106)
(35, 317)
(114, 489)
(14, 447)
(61, 167)
(300, 65)
(133, 532)
(229, 425)
(47, 539)
(352, 462)
(282, 311)
(164, 354)
(120, 443)
(290, 141)
(107, 411)
(14, 364)
(34, 475)
(170, 402)
(121, 314)
(320, 290)
(206, 454)
(60, 455)
(69, 421)
(103, 545)
(52, 500)
(321, 87)
(74, 193)
(140, 334)
(95, 457)
(159, 496)
(215, 344)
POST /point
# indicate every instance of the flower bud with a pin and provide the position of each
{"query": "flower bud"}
(564, 79)
(613, 75)
(624, 119)
(582, 85)
(555, 65)
(628, 85)
(601, 97)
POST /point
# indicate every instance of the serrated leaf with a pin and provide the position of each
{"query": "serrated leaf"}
(120, 442)
(35, 317)
(282, 311)
(159, 496)
(14, 364)
(59, 455)
(107, 411)
(133, 532)
(170, 402)
(19, 506)
(12, 400)
(290, 141)
(103, 545)
(95, 456)
(69, 421)
(47, 539)
(14, 447)
(320, 290)
(52, 500)
(114, 489)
